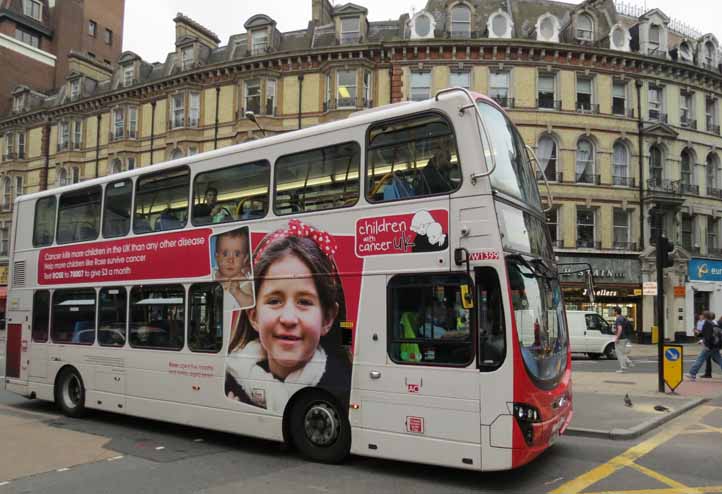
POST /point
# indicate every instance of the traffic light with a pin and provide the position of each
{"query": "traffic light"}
(664, 250)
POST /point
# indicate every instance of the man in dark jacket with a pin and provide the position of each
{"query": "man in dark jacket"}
(710, 348)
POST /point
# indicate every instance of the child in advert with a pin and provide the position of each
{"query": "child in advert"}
(233, 268)
(290, 339)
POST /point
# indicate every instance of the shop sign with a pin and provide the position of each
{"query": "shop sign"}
(679, 292)
(604, 269)
(705, 270)
(638, 292)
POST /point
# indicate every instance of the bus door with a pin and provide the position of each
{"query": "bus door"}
(38, 335)
(14, 349)
(418, 381)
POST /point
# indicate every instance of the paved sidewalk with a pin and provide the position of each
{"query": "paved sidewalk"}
(600, 409)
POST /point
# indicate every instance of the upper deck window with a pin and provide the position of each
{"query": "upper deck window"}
(410, 158)
(79, 215)
(513, 174)
(316, 180)
(44, 228)
(161, 201)
(116, 214)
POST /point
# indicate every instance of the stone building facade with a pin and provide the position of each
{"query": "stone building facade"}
(622, 110)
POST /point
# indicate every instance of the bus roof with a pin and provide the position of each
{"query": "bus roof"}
(358, 118)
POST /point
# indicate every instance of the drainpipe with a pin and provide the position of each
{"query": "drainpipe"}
(300, 98)
(97, 145)
(152, 129)
(640, 128)
(391, 83)
(215, 131)
(46, 152)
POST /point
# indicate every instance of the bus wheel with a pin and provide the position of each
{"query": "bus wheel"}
(319, 430)
(70, 393)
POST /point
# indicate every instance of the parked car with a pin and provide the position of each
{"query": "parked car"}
(589, 333)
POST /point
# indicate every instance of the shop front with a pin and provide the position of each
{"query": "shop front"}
(704, 289)
(617, 283)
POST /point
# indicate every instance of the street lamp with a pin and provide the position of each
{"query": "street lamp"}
(252, 117)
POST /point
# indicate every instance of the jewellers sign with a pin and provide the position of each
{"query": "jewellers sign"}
(605, 269)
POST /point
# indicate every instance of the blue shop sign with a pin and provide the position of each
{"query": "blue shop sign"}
(705, 270)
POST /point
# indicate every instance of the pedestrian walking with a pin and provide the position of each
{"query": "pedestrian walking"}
(711, 344)
(698, 333)
(622, 346)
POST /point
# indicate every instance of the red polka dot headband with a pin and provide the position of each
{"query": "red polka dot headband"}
(296, 228)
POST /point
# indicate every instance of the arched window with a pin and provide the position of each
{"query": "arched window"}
(62, 177)
(461, 21)
(713, 175)
(620, 160)
(687, 177)
(176, 154)
(547, 155)
(500, 25)
(116, 166)
(585, 27)
(656, 169)
(422, 26)
(585, 162)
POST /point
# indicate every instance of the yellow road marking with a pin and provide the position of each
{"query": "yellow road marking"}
(684, 490)
(657, 476)
(709, 428)
(628, 458)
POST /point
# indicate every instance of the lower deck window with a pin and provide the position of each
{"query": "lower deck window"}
(157, 317)
(112, 316)
(73, 316)
(205, 330)
(431, 319)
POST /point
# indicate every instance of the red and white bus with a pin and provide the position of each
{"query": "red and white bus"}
(383, 285)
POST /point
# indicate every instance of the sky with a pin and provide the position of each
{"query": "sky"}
(149, 29)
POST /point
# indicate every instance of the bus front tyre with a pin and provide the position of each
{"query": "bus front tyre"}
(70, 394)
(319, 430)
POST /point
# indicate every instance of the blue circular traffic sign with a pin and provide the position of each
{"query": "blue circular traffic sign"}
(672, 354)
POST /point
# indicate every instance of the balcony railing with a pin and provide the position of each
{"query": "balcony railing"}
(714, 192)
(687, 122)
(347, 104)
(504, 102)
(715, 129)
(585, 178)
(63, 146)
(658, 116)
(620, 109)
(587, 107)
(669, 186)
(623, 181)
(549, 104)
(714, 251)
(625, 246)
(685, 188)
(588, 244)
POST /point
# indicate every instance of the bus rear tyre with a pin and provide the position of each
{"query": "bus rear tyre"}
(319, 430)
(70, 394)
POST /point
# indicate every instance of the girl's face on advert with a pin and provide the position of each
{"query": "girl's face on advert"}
(230, 256)
(288, 316)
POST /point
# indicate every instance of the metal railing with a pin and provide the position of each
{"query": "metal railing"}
(687, 122)
(347, 104)
(585, 178)
(664, 185)
(504, 102)
(588, 244)
(691, 189)
(658, 116)
(714, 192)
(583, 107)
(625, 246)
(714, 251)
(623, 181)
(549, 104)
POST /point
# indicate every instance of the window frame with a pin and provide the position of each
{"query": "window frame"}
(460, 33)
(353, 95)
(416, 73)
(98, 316)
(553, 77)
(411, 117)
(30, 7)
(108, 37)
(136, 185)
(252, 84)
(350, 36)
(92, 28)
(98, 216)
(624, 85)
(194, 190)
(194, 107)
(431, 276)
(35, 314)
(130, 320)
(175, 109)
(27, 37)
(619, 179)
(593, 225)
(189, 318)
(53, 316)
(617, 227)
(360, 188)
(105, 203)
(258, 48)
(586, 34)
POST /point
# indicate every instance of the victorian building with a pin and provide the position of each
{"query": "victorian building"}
(621, 107)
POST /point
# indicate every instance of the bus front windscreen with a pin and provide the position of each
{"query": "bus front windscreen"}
(540, 323)
(513, 175)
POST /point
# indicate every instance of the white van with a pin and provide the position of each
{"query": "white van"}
(589, 333)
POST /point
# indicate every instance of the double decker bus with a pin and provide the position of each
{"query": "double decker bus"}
(383, 285)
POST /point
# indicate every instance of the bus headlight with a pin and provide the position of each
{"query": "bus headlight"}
(526, 416)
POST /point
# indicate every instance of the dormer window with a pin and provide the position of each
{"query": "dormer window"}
(710, 54)
(685, 52)
(500, 25)
(74, 89)
(18, 103)
(259, 42)
(128, 75)
(461, 21)
(655, 39)
(34, 9)
(585, 27)
(422, 26)
(547, 28)
(350, 30)
(187, 58)
(619, 38)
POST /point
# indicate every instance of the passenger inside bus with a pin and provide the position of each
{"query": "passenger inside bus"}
(435, 177)
(211, 211)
